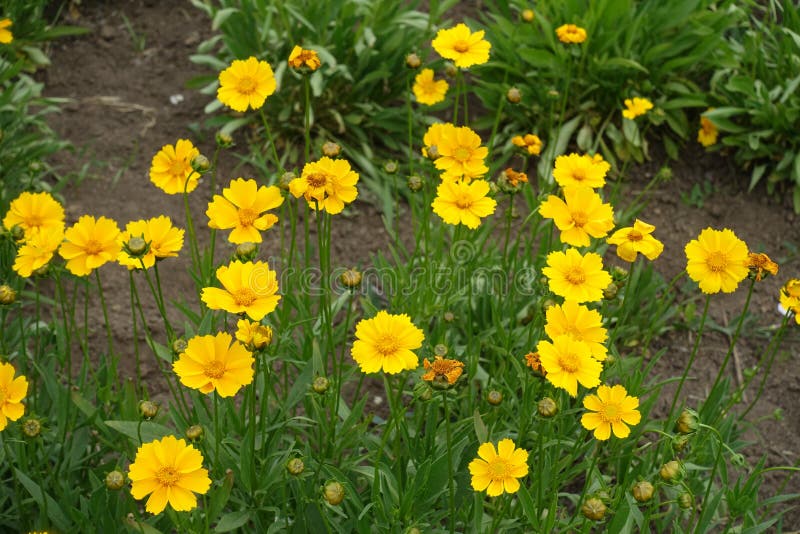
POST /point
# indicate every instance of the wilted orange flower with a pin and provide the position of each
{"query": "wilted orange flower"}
(514, 178)
(533, 361)
(442, 370)
(707, 135)
(529, 142)
(300, 56)
(761, 264)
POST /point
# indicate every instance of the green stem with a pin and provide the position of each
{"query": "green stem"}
(275, 159)
(771, 359)
(135, 337)
(450, 485)
(110, 336)
(691, 360)
(307, 119)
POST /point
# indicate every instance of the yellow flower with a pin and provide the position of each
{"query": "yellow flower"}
(327, 184)
(611, 409)
(5, 34)
(497, 471)
(212, 363)
(462, 46)
(636, 106)
(171, 472)
(249, 288)
(707, 135)
(243, 206)
(463, 203)
(635, 239)
(576, 277)
(568, 362)
(442, 370)
(529, 142)
(576, 169)
(164, 240)
(790, 298)
(255, 335)
(12, 391)
(35, 212)
(433, 137)
(570, 33)
(37, 251)
(717, 260)
(246, 83)
(461, 154)
(90, 243)
(386, 342)
(427, 90)
(580, 215)
(171, 169)
(514, 178)
(580, 323)
(298, 57)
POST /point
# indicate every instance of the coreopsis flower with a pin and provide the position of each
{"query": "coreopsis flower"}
(568, 362)
(254, 335)
(635, 107)
(35, 212)
(162, 239)
(790, 298)
(761, 265)
(243, 207)
(299, 57)
(579, 322)
(12, 391)
(5, 34)
(461, 154)
(246, 83)
(89, 243)
(213, 363)
(497, 470)
(462, 46)
(433, 138)
(580, 215)
(570, 34)
(513, 178)
(327, 184)
(527, 15)
(636, 239)
(708, 132)
(611, 409)
(427, 90)
(37, 251)
(533, 361)
(386, 342)
(463, 203)
(577, 169)
(171, 169)
(530, 142)
(249, 288)
(171, 472)
(717, 260)
(442, 371)
(576, 277)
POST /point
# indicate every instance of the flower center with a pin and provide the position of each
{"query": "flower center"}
(499, 468)
(167, 476)
(247, 85)
(214, 369)
(317, 179)
(569, 362)
(93, 247)
(575, 276)
(178, 167)
(463, 202)
(461, 46)
(244, 296)
(387, 345)
(247, 216)
(610, 413)
(635, 235)
(34, 221)
(578, 175)
(462, 153)
(580, 218)
(717, 262)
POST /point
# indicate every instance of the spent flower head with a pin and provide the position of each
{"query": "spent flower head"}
(301, 57)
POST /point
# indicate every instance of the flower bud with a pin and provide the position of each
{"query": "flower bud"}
(7, 295)
(413, 61)
(685, 500)
(136, 247)
(687, 422)
(423, 391)
(331, 149)
(286, 177)
(17, 233)
(494, 397)
(295, 466)
(449, 317)
(671, 471)
(194, 433)
(390, 167)
(680, 442)
(413, 530)
(450, 70)
(433, 152)
(351, 278)
(200, 164)
(414, 183)
(31, 427)
(115, 480)
(547, 407)
(513, 95)
(320, 385)
(179, 346)
(333, 493)
(246, 251)
(610, 292)
(148, 409)
(440, 350)
(593, 509)
(224, 139)
(527, 15)
(642, 491)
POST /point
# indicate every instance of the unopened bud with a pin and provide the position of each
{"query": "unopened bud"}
(433, 152)
(350, 279)
(200, 164)
(440, 350)
(642, 491)
(148, 409)
(286, 177)
(31, 427)
(513, 95)
(17, 233)
(413, 61)
(246, 251)
(449, 317)
(687, 422)
(671, 471)
(331, 149)
(527, 15)
(685, 500)
(179, 346)
(414, 182)
(334, 493)
(594, 509)
(224, 139)
(295, 466)
(450, 70)
(320, 385)
(115, 480)
(136, 247)
(7, 295)
(494, 397)
(610, 292)
(547, 407)
(680, 442)
(390, 167)
(194, 433)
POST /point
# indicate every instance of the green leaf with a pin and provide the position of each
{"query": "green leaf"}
(221, 16)
(54, 512)
(232, 521)
(480, 428)
(150, 430)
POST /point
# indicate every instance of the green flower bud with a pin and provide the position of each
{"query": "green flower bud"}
(642, 491)
(547, 407)
(594, 509)
(494, 397)
(295, 466)
(115, 480)
(333, 493)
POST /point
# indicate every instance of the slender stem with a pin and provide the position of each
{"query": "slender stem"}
(691, 359)
(190, 225)
(217, 460)
(771, 359)
(587, 483)
(108, 325)
(458, 97)
(135, 335)
(450, 485)
(275, 159)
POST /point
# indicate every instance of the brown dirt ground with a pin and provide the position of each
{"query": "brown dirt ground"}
(120, 115)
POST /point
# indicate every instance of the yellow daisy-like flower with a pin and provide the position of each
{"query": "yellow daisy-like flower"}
(462, 46)
(576, 277)
(636, 239)
(299, 56)
(249, 288)
(5, 34)
(171, 169)
(707, 135)
(582, 214)
(569, 362)
(461, 154)
(497, 471)
(212, 363)
(790, 298)
(255, 336)
(37, 251)
(427, 90)
(386, 342)
(12, 391)
(570, 34)
(529, 142)
(636, 106)
(327, 184)
(579, 322)
(433, 138)
(463, 203)
(246, 83)
(171, 472)
(90, 243)
(443, 371)
(35, 212)
(576, 169)
(611, 409)
(243, 206)
(163, 239)
(717, 260)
